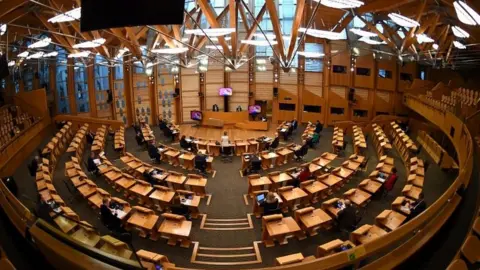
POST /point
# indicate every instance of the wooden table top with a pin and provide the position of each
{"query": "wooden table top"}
(371, 234)
(193, 202)
(174, 227)
(76, 181)
(285, 152)
(187, 156)
(161, 195)
(282, 177)
(392, 220)
(65, 224)
(199, 182)
(126, 159)
(315, 187)
(125, 182)
(140, 189)
(313, 167)
(113, 175)
(331, 180)
(143, 220)
(288, 259)
(416, 180)
(358, 196)
(370, 186)
(172, 153)
(323, 162)
(284, 226)
(293, 194)
(315, 218)
(177, 179)
(352, 165)
(87, 190)
(260, 181)
(270, 155)
(344, 172)
(330, 246)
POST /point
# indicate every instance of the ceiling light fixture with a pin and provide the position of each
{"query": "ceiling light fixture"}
(268, 36)
(3, 29)
(402, 20)
(466, 14)
(68, 16)
(170, 50)
(311, 54)
(90, 44)
(121, 52)
(50, 54)
(79, 54)
(371, 41)
(459, 45)
(362, 33)
(11, 63)
(41, 43)
(211, 32)
(422, 38)
(35, 55)
(23, 54)
(459, 32)
(341, 4)
(435, 46)
(259, 42)
(324, 34)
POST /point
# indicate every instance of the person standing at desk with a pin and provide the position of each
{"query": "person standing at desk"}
(294, 123)
(91, 166)
(201, 162)
(390, 182)
(347, 217)
(33, 166)
(318, 127)
(215, 108)
(224, 141)
(270, 205)
(108, 218)
(417, 208)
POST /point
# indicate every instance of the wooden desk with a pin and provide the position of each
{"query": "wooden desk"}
(267, 159)
(162, 196)
(197, 184)
(176, 228)
(97, 198)
(257, 182)
(141, 189)
(257, 209)
(191, 203)
(358, 196)
(175, 180)
(311, 219)
(390, 219)
(331, 206)
(277, 228)
(115, 247)
(398, 205)
(86, 235)
(66, 225)
(412, 192)
(88, 189)
(315, 189)
(172, 156)
(292, 196)
(366, 234)
(144, 220)
(370, 186)
(416, 180)
(152, 257)
(331, 247)
(332, 181)
(213, 149)
(279, 179)
(342, 172)
(253, 146)
(351, 165)
(284, 155)
(113, 175)
(241, 147)
(289, 259)
(187, 160)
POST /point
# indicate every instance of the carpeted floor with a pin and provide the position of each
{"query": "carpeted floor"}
(227, 189)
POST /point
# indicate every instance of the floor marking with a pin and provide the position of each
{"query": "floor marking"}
(245, 199)
(209, 199)
(226, 224)
(224, 253)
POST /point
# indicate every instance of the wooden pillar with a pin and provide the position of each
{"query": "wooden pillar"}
(372, 99)
(36, 78)
(327, 62)
(127, 90)
(111, 86)
(202, 91)
(71, 86)
(92, 97)
(251, 79)
(301, 84)
(275, 103)
(152, 87)
(52, 71)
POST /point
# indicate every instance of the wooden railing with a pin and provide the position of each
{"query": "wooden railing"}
(93, 122)
(428, 223)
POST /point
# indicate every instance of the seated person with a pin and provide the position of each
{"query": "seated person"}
(215, 108)
(417, 208)
(255, 164)
(239, 108)
(180, 209)
(108, 218)
(347, 218)
(311, 141)
(91, 166)
(274, 143)
(390, 182)
(33, 166)
(201, 162)
(184, 144)
(294, 123)
(139, 138)
(162, 124)
(148, 176)
(271, 204)
(302, 151)
(304, 175)
(288, 132)
(153, 151)
(318, 127)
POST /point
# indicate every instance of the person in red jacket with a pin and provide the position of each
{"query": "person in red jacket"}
(390, 182)
(304, 174)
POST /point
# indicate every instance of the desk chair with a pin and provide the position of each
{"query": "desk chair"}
(227, 154)
(201, 167)
(275, 211)
(255, 167)
(154, 157)
(274, 144)
(301, 153)
(363, 166)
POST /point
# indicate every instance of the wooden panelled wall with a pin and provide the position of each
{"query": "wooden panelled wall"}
(154, 96)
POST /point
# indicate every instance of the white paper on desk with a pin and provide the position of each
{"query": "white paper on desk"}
(283, 130)
(404, 208)
(97, 161)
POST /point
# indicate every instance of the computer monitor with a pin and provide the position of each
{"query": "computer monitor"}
(255, 109)
(196, 115)
(225, 92)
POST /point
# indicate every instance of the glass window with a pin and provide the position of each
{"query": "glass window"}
(61, 81)
(383, 73)
(101, 74)
(314, 64)
(138, 68)
(81, 87)
(44, 76)
(28, 78)
(119, 70)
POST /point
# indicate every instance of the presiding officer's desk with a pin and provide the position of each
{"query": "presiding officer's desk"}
(236, 119)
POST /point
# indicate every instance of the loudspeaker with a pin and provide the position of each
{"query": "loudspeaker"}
(351, 94)
(275, 92)
(177, 92)
(122, 13)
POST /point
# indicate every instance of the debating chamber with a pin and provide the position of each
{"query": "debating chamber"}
(239, 134)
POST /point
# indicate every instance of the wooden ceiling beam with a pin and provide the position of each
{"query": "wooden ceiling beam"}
(233, 24)
(382, 5)
(243, 14)
(60, 39)
(295, 26)
(212, 21)
(202, 40)
(8, 6)
(410, 37)
(272, 11)
(141, 33)
(343, 24)
(164, 30)
(253, 29)
(135, 50)
(374, 29)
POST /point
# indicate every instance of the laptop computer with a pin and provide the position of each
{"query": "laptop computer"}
(260, 198)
